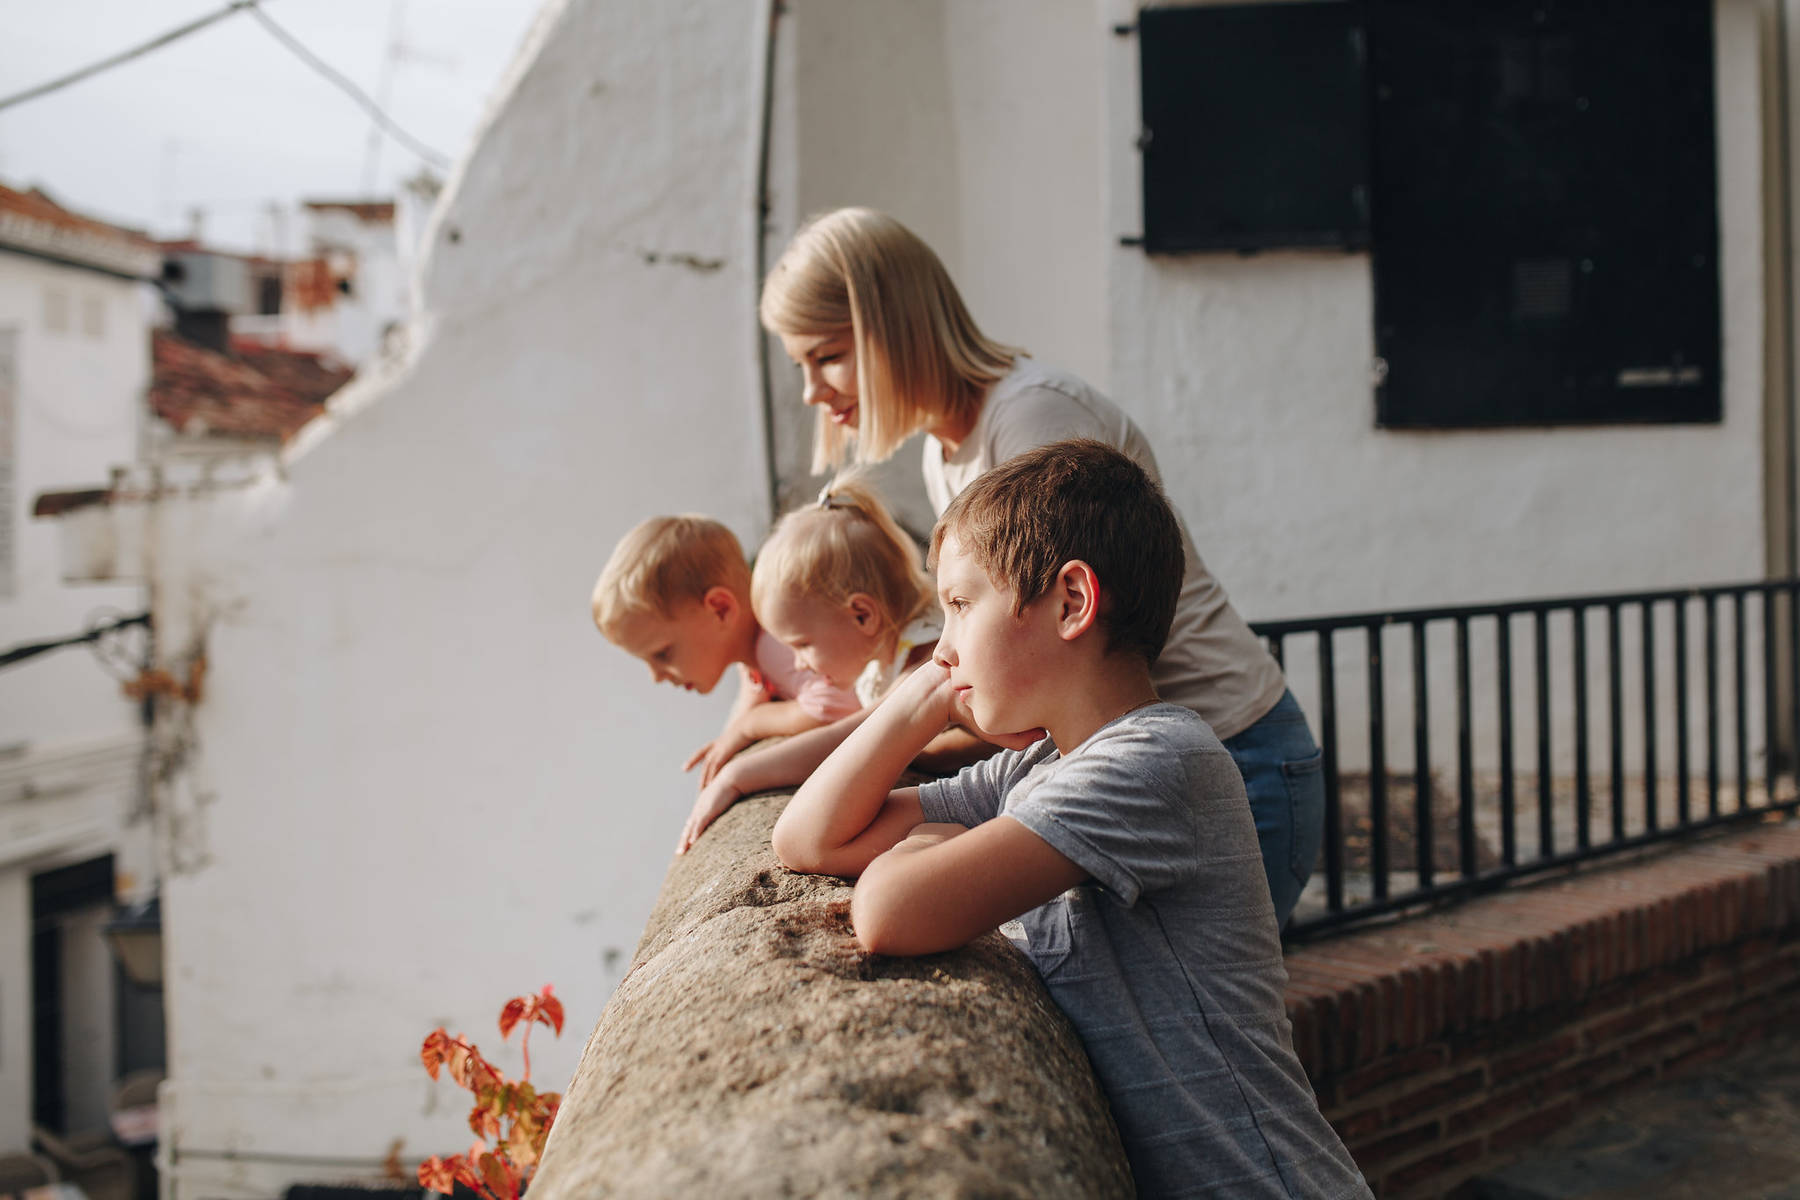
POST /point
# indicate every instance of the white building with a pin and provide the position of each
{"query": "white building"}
(419, 783)
(348, 297)
(74, 366)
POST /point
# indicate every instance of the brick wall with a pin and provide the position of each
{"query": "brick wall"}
(1444, 1045)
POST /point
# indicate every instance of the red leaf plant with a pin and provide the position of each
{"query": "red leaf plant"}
(500, 1171)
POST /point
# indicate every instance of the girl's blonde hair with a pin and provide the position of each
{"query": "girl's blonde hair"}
(844, 543)
(919, 355)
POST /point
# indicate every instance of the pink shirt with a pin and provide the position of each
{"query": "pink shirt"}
(775, 670)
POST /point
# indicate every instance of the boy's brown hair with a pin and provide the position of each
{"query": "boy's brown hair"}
(666, 562)
(1078, 499)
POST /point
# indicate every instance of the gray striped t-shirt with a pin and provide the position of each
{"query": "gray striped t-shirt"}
(1167, 961)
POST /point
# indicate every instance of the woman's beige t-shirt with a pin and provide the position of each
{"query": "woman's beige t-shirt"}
(1212, 663)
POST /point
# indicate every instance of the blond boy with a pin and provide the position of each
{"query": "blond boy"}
(1123, 841)
(676, 594)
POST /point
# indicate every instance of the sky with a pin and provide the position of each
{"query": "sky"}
(228, 121)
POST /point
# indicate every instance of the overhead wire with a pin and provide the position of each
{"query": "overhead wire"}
(125, 56)
(293, 45)
(344, 83)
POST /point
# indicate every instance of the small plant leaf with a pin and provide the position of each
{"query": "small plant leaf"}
(435, 1175)
(515, 1011)
(550, 1010)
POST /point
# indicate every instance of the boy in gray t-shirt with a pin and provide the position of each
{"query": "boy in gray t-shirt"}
(1122, 840)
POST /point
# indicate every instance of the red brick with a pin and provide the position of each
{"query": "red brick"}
(1660, 1045)
(1429, 1174)
(1437, 1096)
(1359, 1126)
(1496, 1107)
(1701, 998)
(1698, 1055)
(1631, 1081)
(1579, 1077)
(1393, 1067)
(1373, 1154)
(1534, 1126)
(1531, 1059)
(1609, 1029)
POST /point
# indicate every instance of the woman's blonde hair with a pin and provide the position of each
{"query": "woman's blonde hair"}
(919, 355)
(844, 543)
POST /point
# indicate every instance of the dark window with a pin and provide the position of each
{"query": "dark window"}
(268, 295)
(1545, 221)
(1537, 179)
(1254, 129)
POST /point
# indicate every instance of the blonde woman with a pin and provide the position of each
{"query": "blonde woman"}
(887, 349)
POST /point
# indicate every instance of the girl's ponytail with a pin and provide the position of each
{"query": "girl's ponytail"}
(843, 543)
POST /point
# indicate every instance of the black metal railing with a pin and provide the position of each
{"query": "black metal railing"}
(1690, 681)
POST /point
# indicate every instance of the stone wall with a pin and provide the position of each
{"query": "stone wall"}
(753, 1049)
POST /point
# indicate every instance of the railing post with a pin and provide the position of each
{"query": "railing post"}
(1649, 645)
(1378, 828)
(1683, 767)
(1584, 798)
(1509, 834)
(1546, 765)
(1465, 756)
(1423, 831)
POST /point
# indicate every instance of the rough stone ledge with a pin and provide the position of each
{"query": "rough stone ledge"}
(754, 1050)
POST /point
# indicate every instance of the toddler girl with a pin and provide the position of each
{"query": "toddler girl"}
(840, 584)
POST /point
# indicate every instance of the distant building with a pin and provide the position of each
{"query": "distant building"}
(75, 316)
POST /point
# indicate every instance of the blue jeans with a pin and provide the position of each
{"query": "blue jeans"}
(1283, 772)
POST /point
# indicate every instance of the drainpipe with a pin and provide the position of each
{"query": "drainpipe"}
(1781, 493)
(759, 233)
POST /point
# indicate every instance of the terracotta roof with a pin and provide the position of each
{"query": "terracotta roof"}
(362, 210)
(253, 392)
(37, 206)
(33, 222)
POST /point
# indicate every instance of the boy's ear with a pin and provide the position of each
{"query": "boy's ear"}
(864, 611)
(1077, 596)
(720, 602)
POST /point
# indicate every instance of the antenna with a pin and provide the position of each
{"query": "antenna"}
(396, 50)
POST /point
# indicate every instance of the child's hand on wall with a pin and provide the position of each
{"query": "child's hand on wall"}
(713, 756)
(713, 800)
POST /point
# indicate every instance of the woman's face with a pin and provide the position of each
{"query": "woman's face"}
(827, 365)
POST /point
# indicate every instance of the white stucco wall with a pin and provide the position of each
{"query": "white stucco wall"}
(1252, 377)
(69, 740)
(1253, 374)
(78, 398)
(423, 782)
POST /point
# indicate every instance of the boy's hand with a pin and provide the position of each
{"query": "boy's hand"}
(713, 800)
(933, 695)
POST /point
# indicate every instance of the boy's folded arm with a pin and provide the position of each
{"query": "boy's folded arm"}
(851, 794)
(934, 893)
